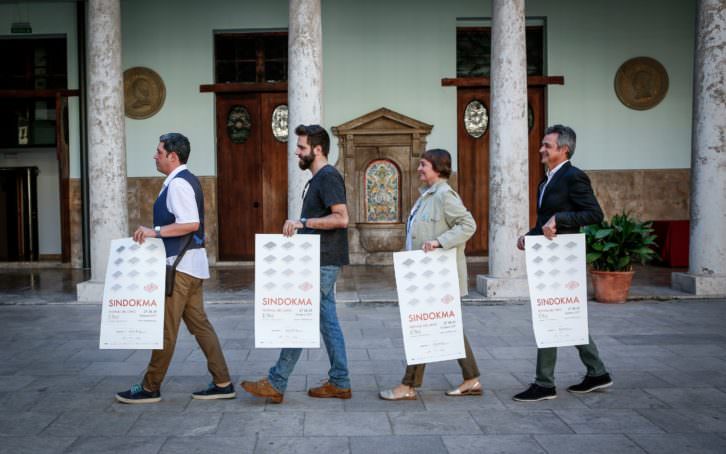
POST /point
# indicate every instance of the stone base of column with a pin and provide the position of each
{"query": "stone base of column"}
(498, 287)
(699, 284)
(89, 292)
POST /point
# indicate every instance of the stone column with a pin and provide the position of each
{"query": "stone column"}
(304, 88)
(106, 140)
(508, 154)
(707, 258)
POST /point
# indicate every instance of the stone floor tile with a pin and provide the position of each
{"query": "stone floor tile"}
(691, 379)
(217, 444)
(105, 368)
(360, 381)
(489, 380)
(431, 380)
(564, 400)
(433, 423)
(278, 423)
(346, 424)
(621, 398)
(494, 444)
(502, 422)
(398, 445)
(165, 424)
(681, 443)
(438, 401)
(15, 382)
(689, 397)
(590, 444)
(300, 401)
(687, 420)
(369, 401)
(124, 444)
(53, 402)
(604, 421)
(34, 445)
(79, 423)
(231, 355)
(242, 403)
(302, 445)
(24, 423)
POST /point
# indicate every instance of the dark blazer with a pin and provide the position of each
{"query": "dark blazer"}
(569, 196)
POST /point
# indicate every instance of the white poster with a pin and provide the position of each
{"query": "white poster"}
(556, 274)
(133, 296)
(430, 306)
(287, 291)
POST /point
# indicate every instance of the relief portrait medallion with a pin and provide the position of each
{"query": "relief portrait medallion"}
(641, 83)
(144, 92)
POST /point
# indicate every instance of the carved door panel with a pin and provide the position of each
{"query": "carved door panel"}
(473, 156)
(251, 172)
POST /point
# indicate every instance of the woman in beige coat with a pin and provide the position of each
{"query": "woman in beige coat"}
(439, 219)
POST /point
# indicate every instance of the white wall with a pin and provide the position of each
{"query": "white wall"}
(381, 53)
(49, 229)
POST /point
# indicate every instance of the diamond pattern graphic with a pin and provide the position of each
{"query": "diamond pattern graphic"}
(536, 246)
(541, 286)
(288, 285)
(270, 272)
(151, 260)
(134, 247)
(117, 274)
(539, 273)
(269, 285)
(429, 286)
(571, 258)
(118, 261)
(305, 286)
(151, 247)
(572, 271)
(570, 245)
(150, 287)
(305, 258)
(428, 273)
(410, 275)
(120, 249)
(270, 245)
(134, 273)
(288, 258)
(554, 272)
(133, 287)
(134, 260)
(151, 273)
(441, 259)
(409, 262)
(552, 246)
(288, 272)
(431, 299)
(426, 260)
(413, 301)
(116, 287)
(305, 246)
(555, 285)
(538, 260)
(553, 259)
(444, 271)
(270, 258)
(412, 288)
(287, 246)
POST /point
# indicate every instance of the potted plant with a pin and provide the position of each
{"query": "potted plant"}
(612, 248)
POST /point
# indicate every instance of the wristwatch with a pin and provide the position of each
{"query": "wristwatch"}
(304, 221)
(157, 229)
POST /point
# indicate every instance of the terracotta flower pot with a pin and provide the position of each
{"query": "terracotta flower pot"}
(611, 286)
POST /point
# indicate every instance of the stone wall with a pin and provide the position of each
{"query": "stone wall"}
(648, 194)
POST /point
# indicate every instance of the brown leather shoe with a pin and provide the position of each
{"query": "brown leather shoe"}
(329, 390)
(263, 388)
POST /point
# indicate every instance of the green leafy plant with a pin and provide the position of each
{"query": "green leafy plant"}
(615, 246)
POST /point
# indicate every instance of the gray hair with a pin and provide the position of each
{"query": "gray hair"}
(565, 137)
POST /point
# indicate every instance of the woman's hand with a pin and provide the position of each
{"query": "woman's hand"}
(430, 245)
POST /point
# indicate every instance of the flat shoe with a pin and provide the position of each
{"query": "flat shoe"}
(388, 394)
(473, 391)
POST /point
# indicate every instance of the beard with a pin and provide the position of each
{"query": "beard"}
(305, 161)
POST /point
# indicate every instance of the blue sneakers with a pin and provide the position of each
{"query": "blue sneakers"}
(138, 395)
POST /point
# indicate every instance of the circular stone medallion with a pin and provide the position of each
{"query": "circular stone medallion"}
(239, 124)
(144, 92)
(641, 83)
(279, 123)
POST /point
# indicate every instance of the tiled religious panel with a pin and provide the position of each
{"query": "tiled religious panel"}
(382, 190)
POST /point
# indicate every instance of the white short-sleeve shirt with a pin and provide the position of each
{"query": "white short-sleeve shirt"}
(180, 201)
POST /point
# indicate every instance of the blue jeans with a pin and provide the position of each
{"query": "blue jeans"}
(332, 336)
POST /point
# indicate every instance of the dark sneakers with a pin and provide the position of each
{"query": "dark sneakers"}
(590, 384)
(536, 393)
(138, 395)
(215, 392)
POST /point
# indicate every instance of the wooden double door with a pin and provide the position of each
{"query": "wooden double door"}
(251, 171)
(473, 160)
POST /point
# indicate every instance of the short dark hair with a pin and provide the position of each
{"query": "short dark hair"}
(440, 161)
(317, 135)
(176, 143)
(565, 136)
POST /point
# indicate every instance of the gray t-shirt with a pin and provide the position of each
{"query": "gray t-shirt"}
(325, 189)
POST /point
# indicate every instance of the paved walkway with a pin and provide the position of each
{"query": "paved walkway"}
(668, 360)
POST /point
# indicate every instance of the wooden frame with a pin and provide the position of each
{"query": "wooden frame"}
(243, 87)
(486, 81)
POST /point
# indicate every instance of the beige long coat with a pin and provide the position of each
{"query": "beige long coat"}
(442, 216)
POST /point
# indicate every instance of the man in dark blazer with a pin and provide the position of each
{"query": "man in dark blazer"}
(565, 202)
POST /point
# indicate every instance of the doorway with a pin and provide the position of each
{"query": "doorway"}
(473, 113)
(251, 170)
